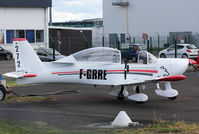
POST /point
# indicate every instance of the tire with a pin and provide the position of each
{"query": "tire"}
(8, 57)
(121, 97)
(2, 93)
(163, 56)
(172, 98)
(185, 56)
(139, 102)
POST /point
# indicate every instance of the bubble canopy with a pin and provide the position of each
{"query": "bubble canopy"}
(99, 54)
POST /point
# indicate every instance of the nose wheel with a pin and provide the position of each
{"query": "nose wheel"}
(172, 98)
(170, 93)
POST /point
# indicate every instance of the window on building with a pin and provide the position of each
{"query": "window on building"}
(1, 36)
(30, 36)
(122, 38)
(20, 33)
(39, 35)
(9, 36)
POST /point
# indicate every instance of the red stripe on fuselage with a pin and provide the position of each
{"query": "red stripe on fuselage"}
(109, 71)
(141, 71)
(67, 72)
(144, 71)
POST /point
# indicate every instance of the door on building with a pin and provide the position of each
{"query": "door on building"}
(113, 40)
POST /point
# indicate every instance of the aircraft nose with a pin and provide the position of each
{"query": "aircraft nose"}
(180, 66)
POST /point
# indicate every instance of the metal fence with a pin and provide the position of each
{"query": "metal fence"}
(68, 41)
(156, 41)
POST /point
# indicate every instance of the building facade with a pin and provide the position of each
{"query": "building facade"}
(24, 19)
(127, 19)
(96, 25)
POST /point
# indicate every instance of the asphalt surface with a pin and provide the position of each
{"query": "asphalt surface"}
(94, 105)
(7, 66)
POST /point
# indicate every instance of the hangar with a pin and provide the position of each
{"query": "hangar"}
(128, 19)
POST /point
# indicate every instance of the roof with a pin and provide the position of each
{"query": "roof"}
(25, 3)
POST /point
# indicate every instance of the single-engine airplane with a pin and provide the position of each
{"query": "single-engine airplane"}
(99, 66)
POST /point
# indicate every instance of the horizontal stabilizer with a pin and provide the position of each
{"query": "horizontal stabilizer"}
(19, 75)
(14, 74)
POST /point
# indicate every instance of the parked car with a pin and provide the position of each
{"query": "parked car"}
(131, 54)
(46, 54)
(5, 54)
(183, 51)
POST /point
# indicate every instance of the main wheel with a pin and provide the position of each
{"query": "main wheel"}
(2, 93)
(121, 94)
(162, 56)
(121, 97)
(8, 57)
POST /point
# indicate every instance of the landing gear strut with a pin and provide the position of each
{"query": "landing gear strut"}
(121, 94)
(170, 93)
(138, 91)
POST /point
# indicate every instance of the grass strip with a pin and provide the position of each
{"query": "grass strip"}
(163, 127)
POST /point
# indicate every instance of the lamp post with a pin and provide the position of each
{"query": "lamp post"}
(84, 38)
(158, 42)
(53, 43)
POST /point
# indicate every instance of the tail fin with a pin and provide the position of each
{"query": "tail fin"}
(26, 60)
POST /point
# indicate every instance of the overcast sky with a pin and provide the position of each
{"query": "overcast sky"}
(67, 10)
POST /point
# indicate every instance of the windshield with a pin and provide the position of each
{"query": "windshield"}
(191, 46)
(145, 58)
(99, 55)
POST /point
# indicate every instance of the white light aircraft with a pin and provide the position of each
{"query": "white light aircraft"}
(100, 66)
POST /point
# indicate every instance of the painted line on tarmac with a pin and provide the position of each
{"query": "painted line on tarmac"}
(56, 112)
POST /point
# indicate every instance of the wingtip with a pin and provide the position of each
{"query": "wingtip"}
(173, 78)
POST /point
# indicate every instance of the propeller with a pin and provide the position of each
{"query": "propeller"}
(192, 63)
